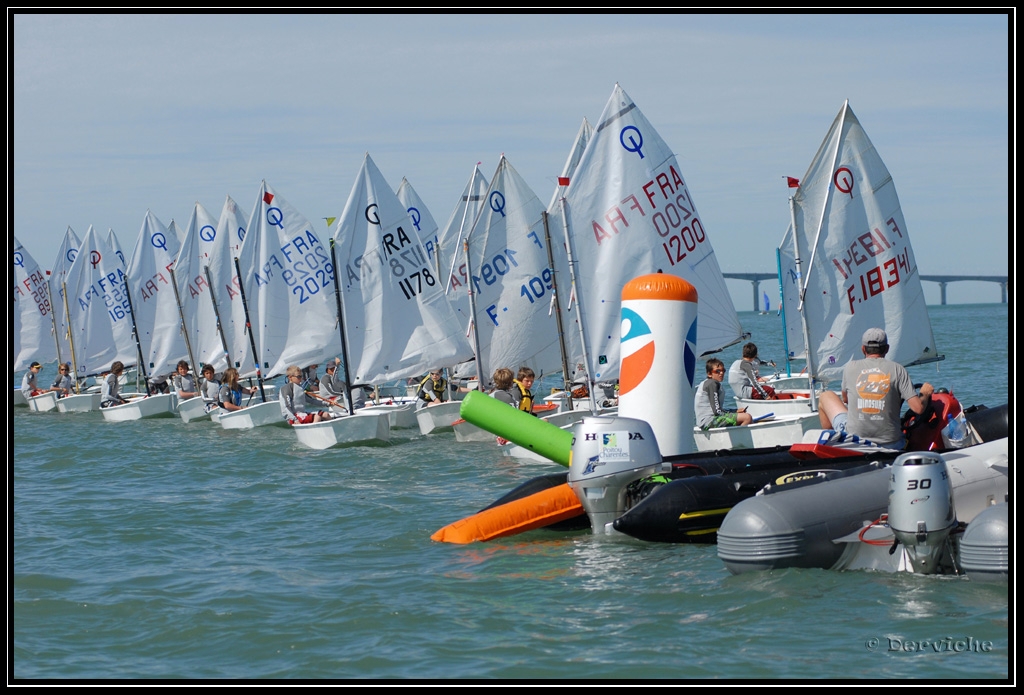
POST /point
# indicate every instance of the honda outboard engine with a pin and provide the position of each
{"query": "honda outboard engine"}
(921, 512)
(608, 453)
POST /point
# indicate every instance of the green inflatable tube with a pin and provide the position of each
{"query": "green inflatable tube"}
(516, 426)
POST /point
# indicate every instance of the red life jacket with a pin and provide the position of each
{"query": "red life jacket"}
(924, 430)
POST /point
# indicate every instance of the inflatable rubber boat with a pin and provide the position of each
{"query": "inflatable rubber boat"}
(907, 516)
(689, 508)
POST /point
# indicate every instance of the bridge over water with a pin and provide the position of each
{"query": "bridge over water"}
(1002, 280)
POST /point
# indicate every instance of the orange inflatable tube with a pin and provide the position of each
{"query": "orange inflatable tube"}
(535, 511)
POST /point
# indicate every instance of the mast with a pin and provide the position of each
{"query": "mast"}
(462, 228)
(71, 339)
(138, 343)
(184, 328)
(579, 301)
(782, 312)
(248, 329)
(216, 314)
(472, 318)
(811, 369)
(341, 329)
(566, 381)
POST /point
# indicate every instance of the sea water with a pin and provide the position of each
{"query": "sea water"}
(164, 550)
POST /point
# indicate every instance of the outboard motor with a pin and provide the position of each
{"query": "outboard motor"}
(608, 453)
(921, 512)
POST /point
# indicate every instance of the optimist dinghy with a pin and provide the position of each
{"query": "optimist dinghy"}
(348, 430)
(79, 403)
(837, 281)
(142, 407)
(435, 419)
(44, 402)
(770, 430)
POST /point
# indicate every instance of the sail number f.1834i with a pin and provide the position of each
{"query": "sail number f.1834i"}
(875, 280)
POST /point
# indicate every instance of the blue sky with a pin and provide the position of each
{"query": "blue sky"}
(114, 115)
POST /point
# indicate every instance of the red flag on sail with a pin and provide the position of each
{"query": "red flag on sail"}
(793, 183)
(563, 180)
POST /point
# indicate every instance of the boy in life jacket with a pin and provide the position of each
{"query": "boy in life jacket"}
(521, 389)
(709, 397)
(294, 400)
(745, 378)
(433, 389)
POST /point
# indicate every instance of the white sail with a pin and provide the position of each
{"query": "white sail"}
(420, 215)
(510, 278)
(397, 320)
(198, 243)
(289, 286)
(115, 246)
(66, 253)
(157, 321)
(33, 314)
(208, 286)
(579, 146)
(631, 213)
(448, 252)
(101, 323)
(857, 265)
(563, 280)
(791, 281)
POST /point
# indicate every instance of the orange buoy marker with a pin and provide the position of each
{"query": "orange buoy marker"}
(659, 357)
(535, 511)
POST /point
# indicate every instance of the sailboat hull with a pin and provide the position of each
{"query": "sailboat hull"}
(401, 416)
(79, 403)
(784, 430)
(789, 402)
(468, 432)
(352, 430)
(193, 409)
(43, 403)
(259, 415)
(18, 399)
(435, 419)
(160, 405)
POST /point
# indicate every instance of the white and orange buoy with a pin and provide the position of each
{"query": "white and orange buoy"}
(659, 358)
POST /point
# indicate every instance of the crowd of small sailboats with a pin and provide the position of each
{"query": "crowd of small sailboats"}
(509, 282)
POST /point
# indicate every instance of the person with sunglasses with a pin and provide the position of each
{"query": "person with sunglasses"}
(62, 384)
(294, 400)
(709, 398)
(433, 390)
